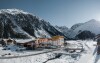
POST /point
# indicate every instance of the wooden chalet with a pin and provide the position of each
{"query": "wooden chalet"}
(9, 41)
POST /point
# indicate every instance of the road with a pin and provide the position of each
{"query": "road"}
(32, 54)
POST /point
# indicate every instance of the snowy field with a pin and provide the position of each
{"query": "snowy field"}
(87, 55)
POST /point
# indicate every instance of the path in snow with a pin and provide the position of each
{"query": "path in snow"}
(91, 52)
(95, 58)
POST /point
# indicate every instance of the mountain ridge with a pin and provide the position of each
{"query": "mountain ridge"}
(91, 25)
(16, 23)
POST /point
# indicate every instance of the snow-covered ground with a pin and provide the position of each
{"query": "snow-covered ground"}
(88, 55)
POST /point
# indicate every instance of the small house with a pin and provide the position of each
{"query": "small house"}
(9, 41)
(28, 44)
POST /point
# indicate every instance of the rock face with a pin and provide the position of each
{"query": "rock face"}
(91, 26)
(16, 23)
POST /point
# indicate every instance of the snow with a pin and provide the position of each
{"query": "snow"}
(41, 33)
(58, 61)
(24, 40)
(13, 11)
(87, 56)
(31, 59)
(19, 30)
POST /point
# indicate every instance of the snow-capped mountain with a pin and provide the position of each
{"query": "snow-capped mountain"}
(62, 29)
(76, 25)
(16, 23)
(93, 26)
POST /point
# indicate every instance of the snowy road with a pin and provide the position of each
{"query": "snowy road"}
(91, 52)
(32, 54)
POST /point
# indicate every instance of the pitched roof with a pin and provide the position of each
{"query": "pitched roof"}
(57, 37)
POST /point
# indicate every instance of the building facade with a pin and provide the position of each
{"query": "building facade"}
(39, 42)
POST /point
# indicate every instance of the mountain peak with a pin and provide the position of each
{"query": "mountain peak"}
(92, 20)
(13, 11)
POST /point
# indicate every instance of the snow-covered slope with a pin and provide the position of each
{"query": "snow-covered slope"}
(16, 23)
(92, 26)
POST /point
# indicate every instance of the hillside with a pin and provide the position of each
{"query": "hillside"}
(16, 23)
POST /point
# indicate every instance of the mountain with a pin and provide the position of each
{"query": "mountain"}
(62, 29)
(16, 23)
(92, 25)
(76, 25)
(70, 31)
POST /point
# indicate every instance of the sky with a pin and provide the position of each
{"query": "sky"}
(58, 12)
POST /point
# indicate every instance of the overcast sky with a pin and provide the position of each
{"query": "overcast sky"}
(58, 12)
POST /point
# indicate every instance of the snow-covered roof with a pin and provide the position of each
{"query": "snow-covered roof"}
(24, 40)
